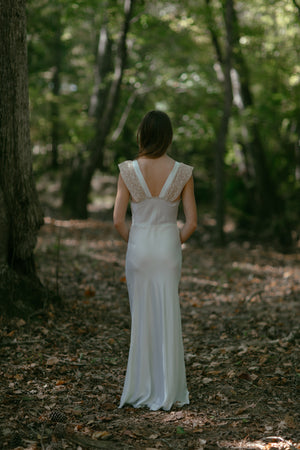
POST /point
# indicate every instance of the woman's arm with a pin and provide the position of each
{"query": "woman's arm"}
(190, 211)
(120, 208)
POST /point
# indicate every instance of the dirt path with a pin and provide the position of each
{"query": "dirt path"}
(63, 370)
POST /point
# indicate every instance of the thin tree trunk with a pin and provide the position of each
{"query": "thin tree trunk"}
(223, 129)
(103, 67)
(236, 88)
(211, 25)
(124, 116)
(106, 115)
(225, 65)
(20, 209)
(296, 130)
(55, 113)
(4, 230)
(104, 107)
(297, 6)
(266, 200)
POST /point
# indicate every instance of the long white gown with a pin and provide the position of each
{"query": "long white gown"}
(155, 374)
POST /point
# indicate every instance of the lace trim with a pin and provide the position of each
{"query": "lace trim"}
(182, 176)
(131, 180)
(137, 193)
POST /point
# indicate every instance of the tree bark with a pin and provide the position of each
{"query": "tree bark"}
(297, 5)
(20, 211)
(4, 230)
(223, 130)
(103, 67)
(226, 63)
(55, 112)
(103, 105)
(266, 200)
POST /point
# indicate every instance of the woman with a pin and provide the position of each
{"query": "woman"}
(155, 184)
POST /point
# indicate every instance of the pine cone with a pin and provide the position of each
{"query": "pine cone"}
(58, 416)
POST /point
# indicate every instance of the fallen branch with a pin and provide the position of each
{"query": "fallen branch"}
(289, 338)
(85, 441)
(233, 418)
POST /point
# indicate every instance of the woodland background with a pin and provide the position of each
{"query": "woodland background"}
(176, 59)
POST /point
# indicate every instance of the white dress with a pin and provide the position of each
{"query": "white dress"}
(155, 374)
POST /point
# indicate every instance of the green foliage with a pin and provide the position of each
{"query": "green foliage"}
(172, 65)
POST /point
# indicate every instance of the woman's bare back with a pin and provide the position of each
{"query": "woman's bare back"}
(155, 172)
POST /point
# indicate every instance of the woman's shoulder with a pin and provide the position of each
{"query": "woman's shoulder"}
(131, 180)
(125, 164)
(185, 167)
(126, 169)
(183, 173)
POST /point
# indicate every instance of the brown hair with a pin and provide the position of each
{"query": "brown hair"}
(154, 134)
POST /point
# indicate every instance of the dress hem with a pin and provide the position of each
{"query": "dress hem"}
(156, 408)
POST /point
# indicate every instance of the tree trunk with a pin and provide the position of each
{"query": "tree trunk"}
(297, 6)
(55, 119)
(103, 106)
(266, 200)
(103, 67)
(20, 211)
(4, 230)
(226, 63)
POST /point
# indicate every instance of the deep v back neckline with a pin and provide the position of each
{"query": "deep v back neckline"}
(166, 184)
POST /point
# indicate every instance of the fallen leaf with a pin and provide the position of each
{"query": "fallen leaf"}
(231, 374)
(130, 434)
(19, 376)
(244, 376)
(207, 380)
(11, 333)
(89, 291)
(52, 361)
(153, 436)
(101, 435)
(60, 382)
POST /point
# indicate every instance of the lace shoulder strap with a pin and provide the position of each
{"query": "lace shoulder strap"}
(169, 180)
(131, 180)
(182, 176)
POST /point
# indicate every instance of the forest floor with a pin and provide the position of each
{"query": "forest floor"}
(62, 370)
